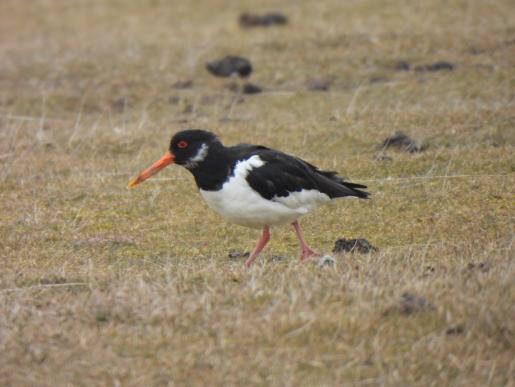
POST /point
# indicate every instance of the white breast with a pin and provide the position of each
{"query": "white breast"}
(240, 204)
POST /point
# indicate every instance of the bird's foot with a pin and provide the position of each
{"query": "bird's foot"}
(307, 254)
(249, 262)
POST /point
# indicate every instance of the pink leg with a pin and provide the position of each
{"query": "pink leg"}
(265, 237)
(306, 251)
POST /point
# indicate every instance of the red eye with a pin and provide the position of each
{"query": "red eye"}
(182, 144)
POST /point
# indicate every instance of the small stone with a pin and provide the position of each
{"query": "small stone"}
(359, 245)
(326, 260)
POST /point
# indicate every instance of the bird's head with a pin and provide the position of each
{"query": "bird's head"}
(187, 148)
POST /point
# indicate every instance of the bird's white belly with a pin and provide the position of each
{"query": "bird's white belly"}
(240, 204)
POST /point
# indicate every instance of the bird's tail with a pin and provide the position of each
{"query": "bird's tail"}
(356, 189)
(344, 188)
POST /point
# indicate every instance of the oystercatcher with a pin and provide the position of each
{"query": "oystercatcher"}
(252, 185)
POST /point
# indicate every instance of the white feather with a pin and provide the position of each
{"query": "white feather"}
(200, 156)
(240, 204)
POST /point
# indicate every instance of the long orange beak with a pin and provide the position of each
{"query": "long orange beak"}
(167, 159)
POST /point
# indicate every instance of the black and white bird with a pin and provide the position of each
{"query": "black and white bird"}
(252, 185)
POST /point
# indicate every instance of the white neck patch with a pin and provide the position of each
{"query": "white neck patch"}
(198, 158)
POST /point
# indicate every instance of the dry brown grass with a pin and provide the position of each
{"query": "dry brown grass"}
(100, 285)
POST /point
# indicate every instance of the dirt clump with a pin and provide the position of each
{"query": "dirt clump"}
(250, 20)
(437, 66)
(320, 84)
(359, 245)
(402, 142)
(229, 66)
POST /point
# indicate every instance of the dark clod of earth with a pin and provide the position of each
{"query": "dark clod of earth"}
(358, 245)
(248, 88)
(229, 66)
(320, 84)
(410, 304)
(403, 142)
(248, 20)
(437, 66)
(235, 254)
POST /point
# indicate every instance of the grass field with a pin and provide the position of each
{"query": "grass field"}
(101, 285)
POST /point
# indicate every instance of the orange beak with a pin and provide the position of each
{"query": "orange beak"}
(167, 159)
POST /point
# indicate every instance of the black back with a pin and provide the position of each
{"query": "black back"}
(283, 174)
(280, 175)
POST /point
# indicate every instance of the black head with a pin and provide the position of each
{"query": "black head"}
(190, 147)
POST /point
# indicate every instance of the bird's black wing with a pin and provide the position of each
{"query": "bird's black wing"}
(282, 174)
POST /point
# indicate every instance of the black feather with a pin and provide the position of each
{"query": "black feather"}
(283, 174)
